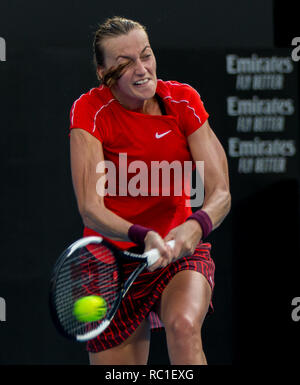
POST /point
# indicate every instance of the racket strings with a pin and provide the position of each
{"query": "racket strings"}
(88, 271)
(98, 250)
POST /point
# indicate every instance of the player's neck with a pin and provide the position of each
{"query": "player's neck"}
(148, 107)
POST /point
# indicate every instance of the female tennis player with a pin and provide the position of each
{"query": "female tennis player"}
(134, 121)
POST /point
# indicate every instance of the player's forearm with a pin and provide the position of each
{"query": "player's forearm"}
(217, 205)
(100, 219)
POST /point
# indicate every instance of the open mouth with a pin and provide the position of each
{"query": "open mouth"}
(141, 82)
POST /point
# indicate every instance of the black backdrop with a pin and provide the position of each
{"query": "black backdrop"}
(48, 66)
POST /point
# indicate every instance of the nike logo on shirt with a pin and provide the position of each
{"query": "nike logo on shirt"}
(158, 136)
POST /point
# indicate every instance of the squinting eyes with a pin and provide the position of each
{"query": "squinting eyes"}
(144, 57)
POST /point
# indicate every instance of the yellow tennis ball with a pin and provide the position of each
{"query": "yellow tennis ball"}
(90, 308)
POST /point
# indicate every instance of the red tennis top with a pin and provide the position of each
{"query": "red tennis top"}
(147, 157)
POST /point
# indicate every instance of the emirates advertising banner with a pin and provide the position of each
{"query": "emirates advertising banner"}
(261, 117)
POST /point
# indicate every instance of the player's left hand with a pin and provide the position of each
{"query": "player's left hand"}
(186, 236)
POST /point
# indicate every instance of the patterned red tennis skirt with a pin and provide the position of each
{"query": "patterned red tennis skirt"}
(143, 297)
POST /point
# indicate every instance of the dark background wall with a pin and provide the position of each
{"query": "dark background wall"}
(172, 24)
(49, 64)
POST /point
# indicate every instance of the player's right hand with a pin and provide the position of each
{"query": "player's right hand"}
(154, 241)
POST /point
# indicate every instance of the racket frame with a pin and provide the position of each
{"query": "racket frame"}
(145, 260)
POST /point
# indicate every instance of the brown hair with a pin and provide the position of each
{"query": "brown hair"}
(112, 27)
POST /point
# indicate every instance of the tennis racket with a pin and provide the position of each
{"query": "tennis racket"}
(91, 266)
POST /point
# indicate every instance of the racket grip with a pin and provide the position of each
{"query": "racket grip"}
(153, 255)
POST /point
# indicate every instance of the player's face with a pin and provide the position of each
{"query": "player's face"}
(138, 83)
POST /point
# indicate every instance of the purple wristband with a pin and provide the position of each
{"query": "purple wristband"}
(137, 234)
(204, 221)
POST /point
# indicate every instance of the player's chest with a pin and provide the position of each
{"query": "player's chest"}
(146, 138)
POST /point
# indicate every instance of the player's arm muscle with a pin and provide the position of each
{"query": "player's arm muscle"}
(205, 146)
(86, 153)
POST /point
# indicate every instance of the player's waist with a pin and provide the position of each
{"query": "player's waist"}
(160, 218)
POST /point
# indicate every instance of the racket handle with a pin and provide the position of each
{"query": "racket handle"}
(153, 254)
